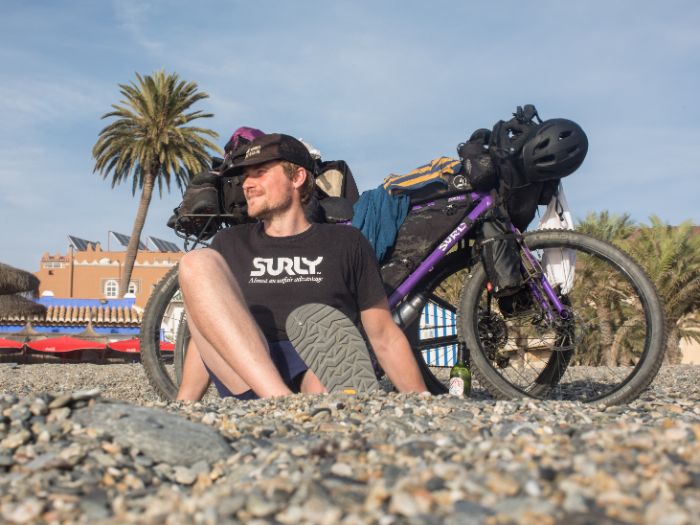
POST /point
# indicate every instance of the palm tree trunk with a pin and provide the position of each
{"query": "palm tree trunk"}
(133, 249)
(606, 337)
(673, 345)
(620, 337)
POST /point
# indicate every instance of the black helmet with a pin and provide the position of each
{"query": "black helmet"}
(556, 150)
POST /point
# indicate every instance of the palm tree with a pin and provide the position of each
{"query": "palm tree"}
(671, 257)
(606, 297)
(609, 227)
(150, 142)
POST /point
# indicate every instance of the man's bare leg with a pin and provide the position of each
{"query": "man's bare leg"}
(195, 377)
(224, 332)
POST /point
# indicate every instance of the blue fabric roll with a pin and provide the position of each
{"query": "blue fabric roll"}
(379, 216)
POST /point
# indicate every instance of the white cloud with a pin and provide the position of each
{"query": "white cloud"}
(28, 101)
(133, 16)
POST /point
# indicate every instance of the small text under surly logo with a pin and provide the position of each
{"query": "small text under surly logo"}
(282, 270)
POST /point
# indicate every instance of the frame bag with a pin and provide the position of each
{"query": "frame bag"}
(422, 230)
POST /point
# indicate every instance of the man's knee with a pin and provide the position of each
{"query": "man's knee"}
(200, 264)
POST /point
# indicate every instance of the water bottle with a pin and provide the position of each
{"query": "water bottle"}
(409, 310)
(460, 375)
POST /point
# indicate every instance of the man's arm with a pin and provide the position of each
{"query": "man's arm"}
(391, 348)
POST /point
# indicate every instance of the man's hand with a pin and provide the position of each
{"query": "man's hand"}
(392, 348)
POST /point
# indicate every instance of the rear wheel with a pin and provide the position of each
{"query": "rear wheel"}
(164, 315)
(607, 349)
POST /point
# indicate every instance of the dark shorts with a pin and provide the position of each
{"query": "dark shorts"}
(287, 361)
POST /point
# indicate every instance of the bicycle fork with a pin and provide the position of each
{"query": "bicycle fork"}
(541, 289)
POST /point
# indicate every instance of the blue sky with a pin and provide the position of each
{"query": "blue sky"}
(385, 85)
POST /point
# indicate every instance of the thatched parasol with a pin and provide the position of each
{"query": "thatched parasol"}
(16, 305)
(13, 280)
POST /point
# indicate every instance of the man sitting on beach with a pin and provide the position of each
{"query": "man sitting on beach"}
(268, 299)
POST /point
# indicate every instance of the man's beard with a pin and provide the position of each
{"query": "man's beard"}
(268, 211)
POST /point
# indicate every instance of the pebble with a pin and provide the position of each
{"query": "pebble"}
(91, 443)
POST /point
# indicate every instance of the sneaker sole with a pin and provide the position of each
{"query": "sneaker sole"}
(332, 347)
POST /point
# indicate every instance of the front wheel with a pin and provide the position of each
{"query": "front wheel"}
(607, 348)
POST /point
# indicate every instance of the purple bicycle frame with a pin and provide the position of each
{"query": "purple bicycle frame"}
(484, 202)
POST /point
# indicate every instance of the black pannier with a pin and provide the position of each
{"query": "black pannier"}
(520, 198)
(530, 157)
(424, 228)
(499, 254)
(200, 201)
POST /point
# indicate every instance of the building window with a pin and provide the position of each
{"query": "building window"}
(134, 287)
(111, 288)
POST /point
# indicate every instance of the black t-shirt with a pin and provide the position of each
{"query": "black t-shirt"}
(328, 263)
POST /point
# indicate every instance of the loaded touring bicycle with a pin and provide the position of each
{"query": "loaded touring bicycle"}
(548, 314)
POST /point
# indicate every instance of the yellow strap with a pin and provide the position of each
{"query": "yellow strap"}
(436, 168)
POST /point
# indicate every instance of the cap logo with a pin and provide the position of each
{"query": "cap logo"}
(252, 151)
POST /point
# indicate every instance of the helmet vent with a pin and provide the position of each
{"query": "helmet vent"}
(547, 159)
(556, 150)
(542, 145)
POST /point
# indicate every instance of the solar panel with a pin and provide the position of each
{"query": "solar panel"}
(81, 245)
(162, 245)
(124, 240)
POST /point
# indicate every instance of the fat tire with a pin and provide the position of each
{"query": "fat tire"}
(151, 357)
(651, 358)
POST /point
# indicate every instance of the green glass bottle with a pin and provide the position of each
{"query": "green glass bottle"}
(460, 375)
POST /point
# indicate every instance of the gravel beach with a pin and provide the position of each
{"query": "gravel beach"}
(87, 443)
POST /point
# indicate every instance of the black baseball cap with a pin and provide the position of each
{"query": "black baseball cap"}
(274, 146)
